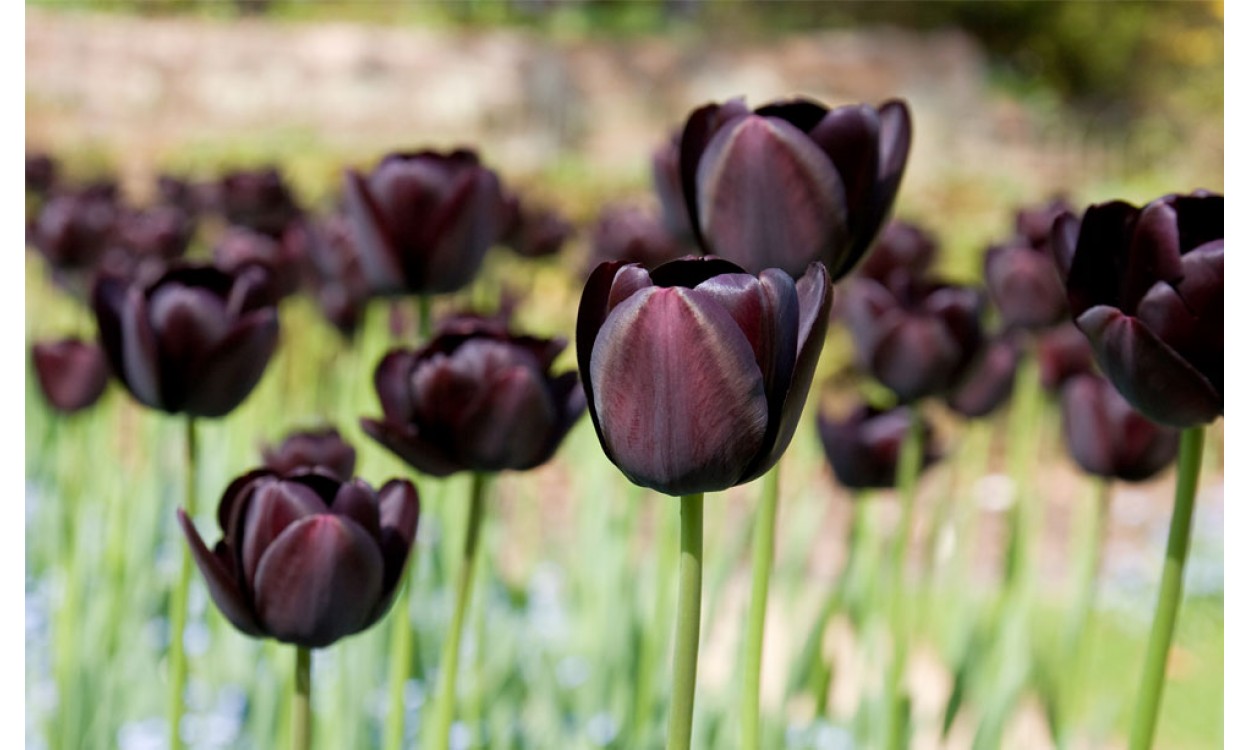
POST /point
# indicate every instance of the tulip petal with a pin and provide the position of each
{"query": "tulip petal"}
(1095, 274)
(894, 148)
(701, 127)
(918, 357)
(393, 381)
(1025, 287)
(427, 456)
(1148, 373)
(686, 399)
(987, 382)
(399, 509)
(851, 136)
(319, 581)
(1152, 254)
(497, 432)
(72, 374)
(377, 252)
(1086, 426)
(357, 501)
(1063, 237)
(226, 374)
(222, 587)
(570, 399)
(1195, 333)
(592, 310)
(272, 506)
(188, 322)
(136, 344)
(803, 114)
(1199, 218)
(465, 225)
(768, 197)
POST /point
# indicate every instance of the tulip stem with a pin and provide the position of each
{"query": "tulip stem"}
(686, 649)
(765, 526)
(301, 704)
(178, 605)
(1150, 694)
(1091, 563)
(425, 321)
(911, 458)
(446, 701)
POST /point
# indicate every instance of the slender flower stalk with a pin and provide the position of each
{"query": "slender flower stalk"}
(911, 458)
(1171, 586)
(765, 531)
(301, 701)
(1091, 563)
(445, 701)
(401, 629)
(686, 650)
(178, 605)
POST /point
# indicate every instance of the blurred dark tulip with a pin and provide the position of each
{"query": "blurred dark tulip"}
(696, 372)
(72, 373)
(180, 193)
(863, 448)
(988, 381)
(1024, 287)
(915, 336)
(1033, 223)
(902, 248)
(240, 247)
(475, 398)
(160, 232)
(333, 267)
(74, 229)
(424, 221)
(1107, 437)
(306, 558)
(41, 173)
(195, 341)
(534, 232)
(1062, 352)
(666, 178)
(258, 199)
(321, 449)
(632, 234)
(792, 182)
(1146, 286)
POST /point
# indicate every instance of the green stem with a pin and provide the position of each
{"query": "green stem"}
(445, 704)
(425, 321)
(301, 704)
(686, 649)
(1095, 541)
(1024, 438)
(765, 531)
(911, 458)
(178, 606)
(1170, 590)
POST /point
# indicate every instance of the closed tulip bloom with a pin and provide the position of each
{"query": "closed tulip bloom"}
(305, 558)
(864, 447)
(41, 173)
(902, 248)
(632, 234)
(696, 373)
(793, 181)
(1107, 437)
(74, 229)
(333, 265)
(666, 179)
(475, 398)
(194, 341)
(72, 373)
(1024, 286)
(1033, 223)
(915, 336)
(534, 231)
(240, 247)
(322, 449)
(988, 382)
(159, 232)
(1062, 352)
(1146, 287)
(258, 199)
(424, 221)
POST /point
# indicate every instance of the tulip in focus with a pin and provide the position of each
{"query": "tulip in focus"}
(696, 373)
(1146, 287)
(72, 374)
(305, 558)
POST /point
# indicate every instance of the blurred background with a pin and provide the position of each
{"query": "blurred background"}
(1012, 103)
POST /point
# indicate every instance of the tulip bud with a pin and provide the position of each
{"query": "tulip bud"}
(792, 182)
(1024, 286)
(305, 558)
(283, 259)
(1146, 287)
(424, 221)
(72, 374)
(322, 449)
(41, 173)
(864, 448)
(475, 398)
(258, 199)
(1107, 438)
(74, 229)
(1033, 223)
(988, 382)
(696, 373)
(195, 341)
(631, 234)
(1062, 352)
(902, 248)
(534, 232)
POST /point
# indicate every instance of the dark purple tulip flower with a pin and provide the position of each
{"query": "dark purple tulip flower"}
(1062, 352)
(696, 372)
(666, 178)
(258, 199)
(72, 373)
(475, 398)
(632, 234)
(322, 449)
(332, 266)
(1033, 223)
(74, 229)
(534, 231)
(793, 181)
(41, 173)
(424, 221)
(161, 232)
(915, 336)
(1107, 437)
(1024, 287)
(195, 341)
(306, 558)
(240, 247)
(864, 448)
(902, 248)
(1146, 286)
(988, 381)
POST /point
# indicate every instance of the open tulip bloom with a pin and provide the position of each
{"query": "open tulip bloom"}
(695, 376)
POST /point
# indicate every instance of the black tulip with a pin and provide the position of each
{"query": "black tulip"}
(863, 448)
(72, 373)
(1107, 437)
